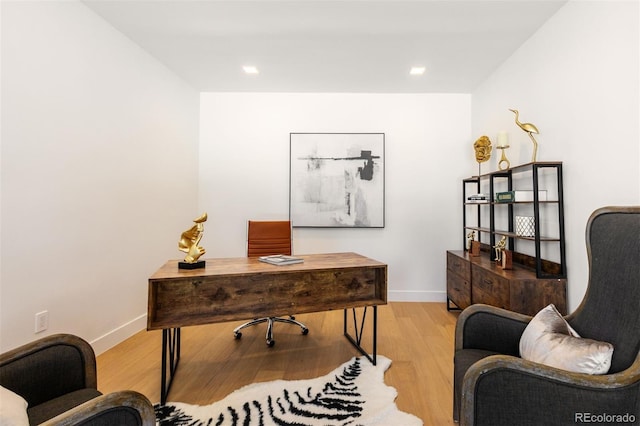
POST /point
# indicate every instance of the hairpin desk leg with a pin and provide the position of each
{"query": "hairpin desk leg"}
(170, 355)
(357, 342)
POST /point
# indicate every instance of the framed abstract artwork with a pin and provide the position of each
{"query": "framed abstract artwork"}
(336, 180)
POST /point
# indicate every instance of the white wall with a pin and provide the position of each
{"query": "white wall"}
(244, 174)
(577, 80)
(99, 159)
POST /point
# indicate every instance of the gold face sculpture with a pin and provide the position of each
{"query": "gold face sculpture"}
(190, 239)
(483, 149)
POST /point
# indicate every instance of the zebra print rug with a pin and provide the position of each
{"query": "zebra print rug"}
(353, 394)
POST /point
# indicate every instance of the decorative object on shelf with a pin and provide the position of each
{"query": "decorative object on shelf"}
(507, 259)
(337, 180)
(519, 196)
(478, 198)
(475, 249)
(499, 248)
(188, 243)
(473, 246)
(503, 143)
(470, 237)
(482, 147)
(530, 129)
(525, 226)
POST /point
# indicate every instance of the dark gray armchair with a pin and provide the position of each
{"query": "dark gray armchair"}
(56, 375)
(493, 386)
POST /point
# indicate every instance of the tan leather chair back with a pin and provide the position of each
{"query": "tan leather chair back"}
(265, 238)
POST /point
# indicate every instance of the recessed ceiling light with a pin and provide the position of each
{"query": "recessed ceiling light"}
(250, 69)
(417, 70)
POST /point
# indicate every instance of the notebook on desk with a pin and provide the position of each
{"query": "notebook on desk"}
(280, 259)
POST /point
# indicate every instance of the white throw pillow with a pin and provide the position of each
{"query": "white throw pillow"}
(13, 409)
(550, 340)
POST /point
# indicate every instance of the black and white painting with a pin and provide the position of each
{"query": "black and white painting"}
(337, 180)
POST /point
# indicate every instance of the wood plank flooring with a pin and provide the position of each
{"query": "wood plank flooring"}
(417, 337)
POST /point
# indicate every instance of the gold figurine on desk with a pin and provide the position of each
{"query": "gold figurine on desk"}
(188, 243)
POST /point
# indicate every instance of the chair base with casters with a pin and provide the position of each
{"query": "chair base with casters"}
(270, 320)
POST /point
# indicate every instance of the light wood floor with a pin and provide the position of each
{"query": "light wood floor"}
(417, 337)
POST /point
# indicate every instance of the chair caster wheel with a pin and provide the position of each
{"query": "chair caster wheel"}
(237, 335)
(270, 343)
(305, 331)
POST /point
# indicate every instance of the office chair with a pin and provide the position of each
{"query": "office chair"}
(265, 238)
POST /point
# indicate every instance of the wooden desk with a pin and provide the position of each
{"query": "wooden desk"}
(235, 289)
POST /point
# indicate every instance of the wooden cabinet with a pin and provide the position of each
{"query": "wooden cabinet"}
(458, 280)
(538, 274)
(479, 280)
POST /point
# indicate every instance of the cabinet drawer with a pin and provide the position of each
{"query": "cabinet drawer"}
(489, 288)
(458, 265)
(458, 290)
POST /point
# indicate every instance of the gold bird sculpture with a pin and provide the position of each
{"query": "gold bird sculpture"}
(530, 129)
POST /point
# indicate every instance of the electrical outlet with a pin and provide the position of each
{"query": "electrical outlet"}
(42, 321)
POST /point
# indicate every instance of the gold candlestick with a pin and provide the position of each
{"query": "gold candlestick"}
(503, 158)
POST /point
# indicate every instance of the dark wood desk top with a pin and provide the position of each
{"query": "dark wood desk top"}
(251, 266)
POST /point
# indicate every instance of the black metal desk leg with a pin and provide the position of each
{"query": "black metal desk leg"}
(170, 360)
(357, 342)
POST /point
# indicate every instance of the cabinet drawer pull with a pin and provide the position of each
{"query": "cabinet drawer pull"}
(488, 281)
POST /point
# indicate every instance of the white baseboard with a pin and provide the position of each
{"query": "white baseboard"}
(416, 296)
(118, 335)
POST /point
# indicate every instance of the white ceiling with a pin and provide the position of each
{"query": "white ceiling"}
(329, 45)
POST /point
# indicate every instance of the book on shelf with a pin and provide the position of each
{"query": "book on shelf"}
(520, 195)
(280, 259)
(478, 198)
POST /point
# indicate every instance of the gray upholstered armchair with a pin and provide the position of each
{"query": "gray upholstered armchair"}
(494, 386)
(56, 375)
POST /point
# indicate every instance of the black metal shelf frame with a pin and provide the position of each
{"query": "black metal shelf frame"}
(538, 239)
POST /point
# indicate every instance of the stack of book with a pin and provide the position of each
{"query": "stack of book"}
(280, 259)
(478, 198)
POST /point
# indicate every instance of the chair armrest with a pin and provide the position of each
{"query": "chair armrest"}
(118, 408)
(49, 367)
(490, 328)
(501, 389)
